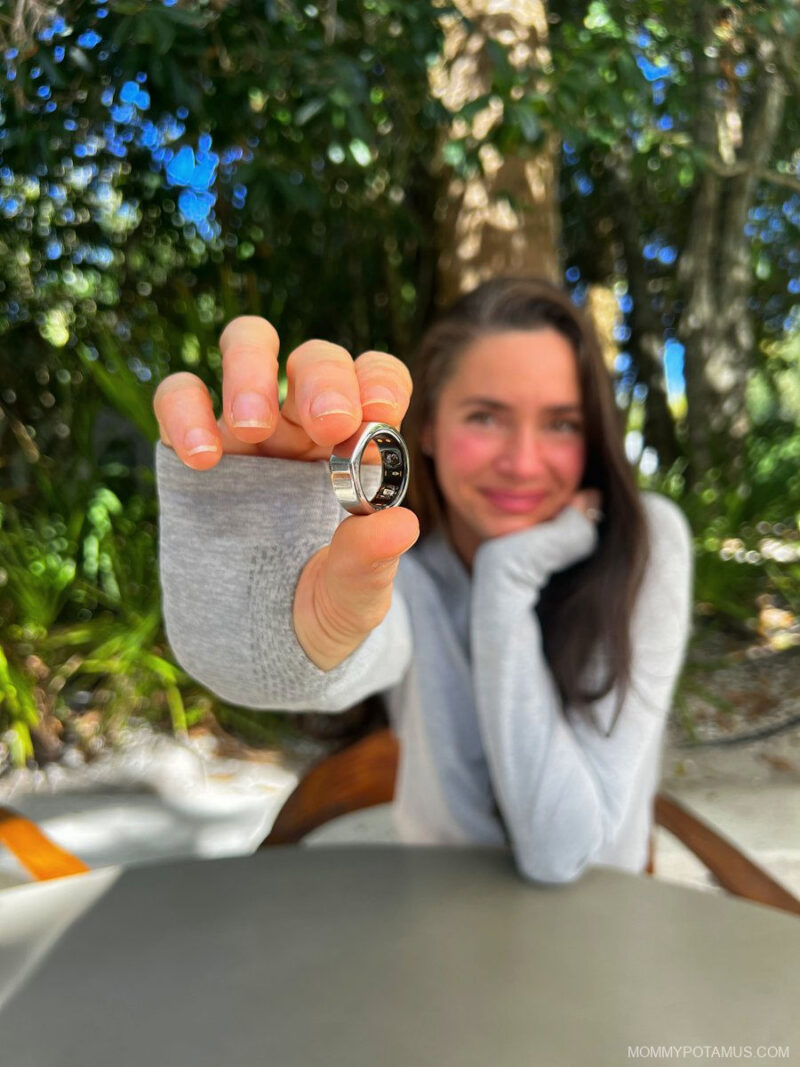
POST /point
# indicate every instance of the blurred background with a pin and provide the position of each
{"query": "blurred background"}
(344, 169)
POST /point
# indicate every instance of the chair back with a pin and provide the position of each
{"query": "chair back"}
(363, 774)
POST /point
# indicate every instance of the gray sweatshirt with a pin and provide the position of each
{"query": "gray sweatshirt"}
(488, 753)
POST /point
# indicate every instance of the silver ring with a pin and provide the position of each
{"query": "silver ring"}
(373, 486)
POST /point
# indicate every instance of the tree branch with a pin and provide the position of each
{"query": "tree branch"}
(761, 130)
(763, 174)
(647, 336)
(695, 266)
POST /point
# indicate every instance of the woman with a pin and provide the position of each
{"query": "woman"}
(527, 646)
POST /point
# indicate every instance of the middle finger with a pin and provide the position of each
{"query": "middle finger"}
(322, 392)
(249, 346)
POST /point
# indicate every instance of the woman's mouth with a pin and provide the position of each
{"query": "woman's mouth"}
(514, 503)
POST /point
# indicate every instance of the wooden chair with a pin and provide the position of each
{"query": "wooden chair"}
(363, 774)
(40, 856)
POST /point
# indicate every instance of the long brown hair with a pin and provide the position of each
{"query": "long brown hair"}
(586, 609)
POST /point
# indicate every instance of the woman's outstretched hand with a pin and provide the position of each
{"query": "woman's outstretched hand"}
(345, 589)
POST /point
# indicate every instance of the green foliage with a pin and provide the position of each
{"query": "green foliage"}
(79, 606)
(321, 144)
(630, 94)
(747, 535)
(107, 284)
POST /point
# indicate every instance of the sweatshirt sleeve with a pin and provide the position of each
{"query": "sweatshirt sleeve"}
(233, 542)
(564, 788)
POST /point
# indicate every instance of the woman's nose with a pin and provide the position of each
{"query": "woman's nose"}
(523, 455)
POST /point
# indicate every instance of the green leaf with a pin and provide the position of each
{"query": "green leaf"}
(453, 153)
(20, 744)
(473, 107)
(523, 115)
(176, 710)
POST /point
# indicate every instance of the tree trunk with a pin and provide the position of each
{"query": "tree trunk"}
(478, 234)
(714, 271)
(647, 334)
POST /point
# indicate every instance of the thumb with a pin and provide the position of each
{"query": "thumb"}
(362, 559)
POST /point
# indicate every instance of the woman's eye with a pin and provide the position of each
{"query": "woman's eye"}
(570, 424)
(562, 425)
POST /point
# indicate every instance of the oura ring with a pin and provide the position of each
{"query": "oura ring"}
(381, 480)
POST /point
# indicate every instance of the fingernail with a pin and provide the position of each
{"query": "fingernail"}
(251, 409)
(199, 441)
(331, 404)
(379, 394)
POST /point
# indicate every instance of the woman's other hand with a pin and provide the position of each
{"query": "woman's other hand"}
(586, 500)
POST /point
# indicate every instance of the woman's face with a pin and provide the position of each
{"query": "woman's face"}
(507, 436)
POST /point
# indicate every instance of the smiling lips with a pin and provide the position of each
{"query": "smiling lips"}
(514, 503)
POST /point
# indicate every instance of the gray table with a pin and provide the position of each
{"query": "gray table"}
(352, 955)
